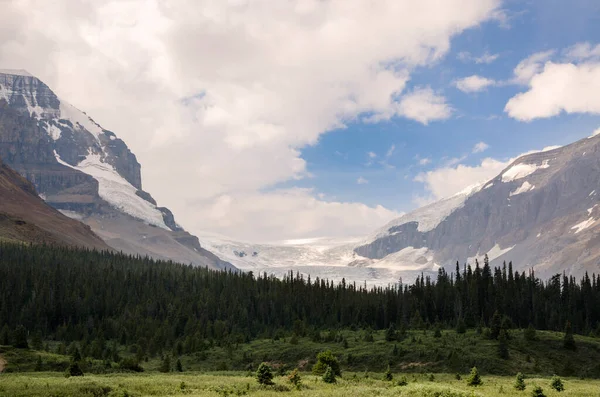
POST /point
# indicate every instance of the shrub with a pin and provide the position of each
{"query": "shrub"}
(130, 364)
(537, 392)
(74, 370)
(264, 374)
(457, 376)
(329, 376)
(295, 379)
(326, 359)
(403, 381)
(178, 366)
(474, 379)
(165, 366)
(520, 382)
(557, 384)
(530, 333)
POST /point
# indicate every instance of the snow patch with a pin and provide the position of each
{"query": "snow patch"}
(596, 132)
(525, 187)
(114, 189)
(53, 131)
(522, 170)
(71, 214)
(592, 193)
(583, 225)
(78, 118)
(589, 210)
(492, 254)
(16, 72)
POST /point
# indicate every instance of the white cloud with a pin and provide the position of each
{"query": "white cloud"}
(582, 52)
(372, 155)
(424, 161)
(362, 181)
(473, 83)
(530, 66)
(596, 132)
(217, 98)
(568, 87)
(390, 151)
(480, 147)
(485, 58)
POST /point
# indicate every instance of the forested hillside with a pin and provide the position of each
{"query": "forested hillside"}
(69, 295)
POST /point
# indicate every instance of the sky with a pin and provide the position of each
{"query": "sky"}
(265, 121)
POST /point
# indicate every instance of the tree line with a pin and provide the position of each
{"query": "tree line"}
(56, 293)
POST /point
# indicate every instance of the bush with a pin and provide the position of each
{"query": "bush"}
(295, 379)
(474, 379)
(165, 366)
(520, 382)
(457, 376)
(326, 359)
(130, 364)
(557, 384)
(329, 376)
(403, 381)
(264, 374)
(537, 392)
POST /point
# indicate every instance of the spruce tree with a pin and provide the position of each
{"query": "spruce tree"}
(38, 364)
(503, 345)
(326, 359)
(165, 365)
(557, 384)
(329, 376)
(264, 375)
(530, 333)
(537, 392)
(388, 374)
(178, 366)
(474, 379)
(20, 338)
(569, 340)
(520, 382)
(495, 325)
(461, 327)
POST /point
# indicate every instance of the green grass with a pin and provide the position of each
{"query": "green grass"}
(232, 384)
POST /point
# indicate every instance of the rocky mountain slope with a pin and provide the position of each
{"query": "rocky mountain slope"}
(25, 217)
(541, 211)
(87, 172)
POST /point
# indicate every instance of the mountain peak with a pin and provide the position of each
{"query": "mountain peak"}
(16, 72)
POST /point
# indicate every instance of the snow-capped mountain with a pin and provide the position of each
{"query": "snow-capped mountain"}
(87, 172)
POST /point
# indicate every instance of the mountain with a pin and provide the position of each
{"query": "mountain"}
(541, 211)
(87, 173)
(25, 217)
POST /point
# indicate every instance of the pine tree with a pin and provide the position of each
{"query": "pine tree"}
(178, 366)
(264, 375)
(530, 333)
(20, 338)
(326, 359)
(495, 325)
(520, 382)
(329, 376)
(557, 384)
(474, 379)
(569, 340)
(74, 369)
(390, 334)
(537, 392)
(503, 345)
(388, 374)
(165, 365)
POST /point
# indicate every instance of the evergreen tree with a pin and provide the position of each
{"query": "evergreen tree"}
(74, 369)
(390, 334)
(295, 379)
(178, 366)
(165, 365)
(36, 341)
(325, 360)
(264, 375)
(474, 379)
(569, 340)
(388, 374)
(503, 345)
(537, 392)
(530, 334)
(520, 382)
(329, 376)
(20, 338)
(557, 384)
(461, 327)
(38, 364)
(5, 336)
(495, 325)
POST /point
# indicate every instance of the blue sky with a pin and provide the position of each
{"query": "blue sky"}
(341, 157)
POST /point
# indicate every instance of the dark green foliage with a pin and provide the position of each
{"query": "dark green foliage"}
(438, 332)
(264, 375)
(329, 376)
(295, 379)
(294, 340)
(537, 392)
(390, 334)
(5, 336)
(131, 364)
(474, 379)
(569, 340)
(461, 327)
(325, 360)
(178, 366)
(36, 341)
(557, 384)
(20, 338)
(495, 325)
(402, 381)
(530, 333)
(458, 376)
(38, 364)
(165, 365)
(388, 374)
(74, 369)
(520, 382)
(503, 345)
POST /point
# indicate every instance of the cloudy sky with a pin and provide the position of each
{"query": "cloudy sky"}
(267, 120)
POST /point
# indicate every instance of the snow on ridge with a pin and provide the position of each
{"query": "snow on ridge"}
(492, 254)
(16, 72)
(77, 117)
(525, 187)
(522, 170)
(583, 225)
(114, 189)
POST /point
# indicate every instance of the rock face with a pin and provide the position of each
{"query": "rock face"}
(541, 212)
(25, 217)
(87, 172)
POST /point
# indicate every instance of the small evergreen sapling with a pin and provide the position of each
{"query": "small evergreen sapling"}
(388, 374)
(329, 376)
(474, 379)
(530, 333)
(264, 375)
(295, 379)
(537, 392)
(569, 340)
(520, 382)
(178, 366)
(557, 384)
